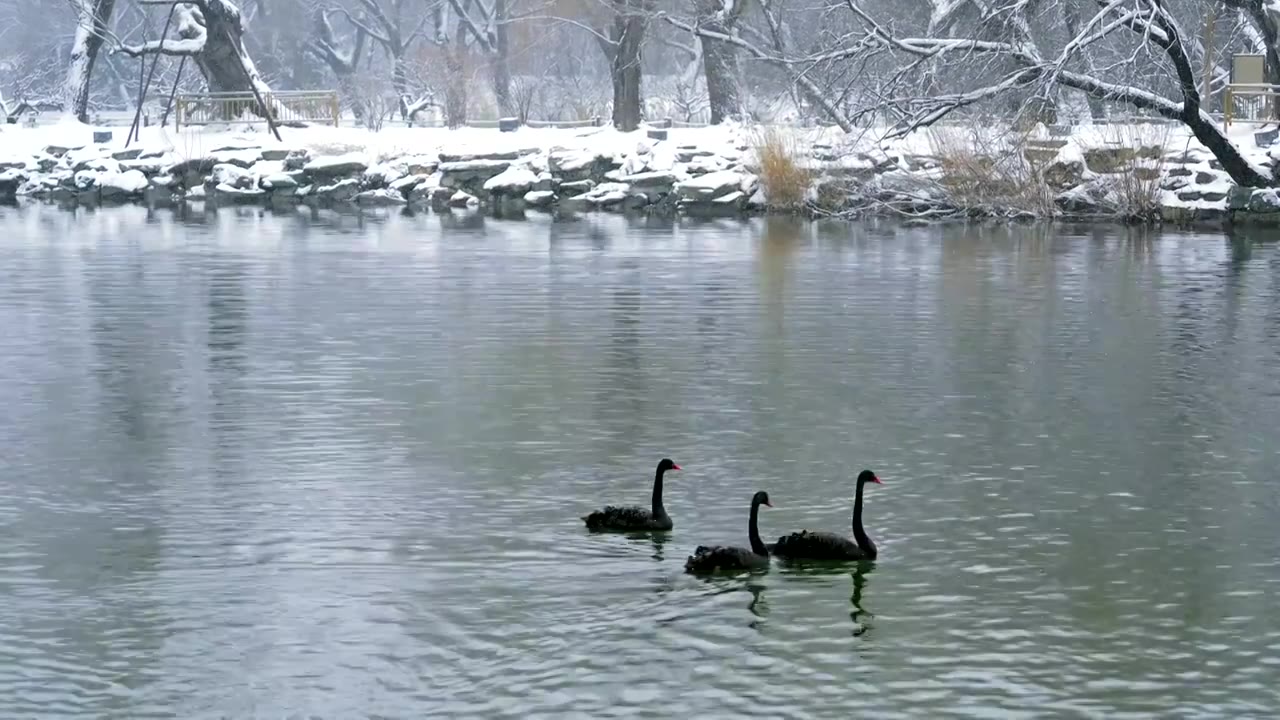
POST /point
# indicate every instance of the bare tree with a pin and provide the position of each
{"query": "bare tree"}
(387, 26)
(93, 17)
(211, 32)
(343, 64)
(773, 46)
(621, 44)
(486, 28)
(1150, 23)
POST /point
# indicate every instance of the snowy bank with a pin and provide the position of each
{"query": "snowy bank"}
(1090, 171)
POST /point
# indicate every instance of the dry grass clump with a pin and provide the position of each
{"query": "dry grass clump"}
(987, 172)
(783, 177)
(1140, 152)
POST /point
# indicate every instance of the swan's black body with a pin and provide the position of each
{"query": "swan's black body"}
(807, 545)
(634, 518)
(720, 558)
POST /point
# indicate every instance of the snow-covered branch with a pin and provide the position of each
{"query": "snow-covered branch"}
(1149, 22)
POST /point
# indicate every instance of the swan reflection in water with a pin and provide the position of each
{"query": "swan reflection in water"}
(860, 615)
(759, 605)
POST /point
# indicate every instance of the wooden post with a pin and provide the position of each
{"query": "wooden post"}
(337, 109)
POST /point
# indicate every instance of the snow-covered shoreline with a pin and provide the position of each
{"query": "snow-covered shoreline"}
(695, 170)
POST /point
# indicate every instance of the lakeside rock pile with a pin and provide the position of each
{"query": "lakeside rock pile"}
(676, 178)
(657, 176)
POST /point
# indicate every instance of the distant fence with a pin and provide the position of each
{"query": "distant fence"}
(1250, 103)
(286, 107)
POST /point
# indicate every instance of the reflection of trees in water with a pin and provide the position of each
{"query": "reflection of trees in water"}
(621, 394)
(778, 242)
(104, 554)
(228, 315)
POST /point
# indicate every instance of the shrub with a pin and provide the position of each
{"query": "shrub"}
(785, 180)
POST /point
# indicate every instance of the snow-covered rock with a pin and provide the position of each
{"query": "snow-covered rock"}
(340, 192)
(540, 198)
(224, 191)
(10, 181)
(607, 194)
(706, 164)
(711, 185)
(122, 185)
(576, 165)
(240, 157)
(279, 181)
(406, 183)
(379, 198)
(469, 173)
(333, 166)
(1090, 198)
(515, 181)
(578, 187)
(231, 175)
(500, 155)
(461, 199)
(383, 174)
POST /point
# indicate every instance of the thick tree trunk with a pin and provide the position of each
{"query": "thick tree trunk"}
(455, 94)
(720, 59)
(724, 93)
(225, 63)
(626, 71)
(499, 64)
(400, 86)
(92, 19)
(211, 32)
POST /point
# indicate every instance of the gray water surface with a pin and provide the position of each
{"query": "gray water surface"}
(319, 466)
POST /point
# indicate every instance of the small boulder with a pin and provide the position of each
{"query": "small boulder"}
(540, 198)
(342, 191)
(462, 199)
(515, 181)
(379, 198)
(470, 173)
(710, 186)
(335, 166)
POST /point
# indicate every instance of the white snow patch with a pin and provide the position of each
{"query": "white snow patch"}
(513, 180)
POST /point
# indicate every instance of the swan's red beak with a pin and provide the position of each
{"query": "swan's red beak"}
(876, 479)
(766, 502)
(675, 466)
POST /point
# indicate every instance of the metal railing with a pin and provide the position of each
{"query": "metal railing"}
(286, 106)
(1250, 103)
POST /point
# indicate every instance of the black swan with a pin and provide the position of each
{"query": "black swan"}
(720, 557)
(806, 545)
(633, 518)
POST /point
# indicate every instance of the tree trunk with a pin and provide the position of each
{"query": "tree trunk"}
(499, 64)
(400, 85)
(626, 70)
(92, 19)
(224, 62)
(719, 58)
(455, 94)
(354, 95)
(720, 65)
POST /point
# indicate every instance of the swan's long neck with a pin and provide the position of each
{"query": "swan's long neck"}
(859, 534)
(658, 510)
(753, 532)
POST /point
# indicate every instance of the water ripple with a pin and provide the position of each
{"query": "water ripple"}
(308, 466)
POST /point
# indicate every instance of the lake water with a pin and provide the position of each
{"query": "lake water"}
(257, 466)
